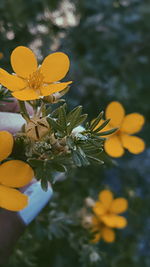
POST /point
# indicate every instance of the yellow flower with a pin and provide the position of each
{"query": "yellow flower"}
(13, 174)
(123, 138)
(106, 216)
(31, 82)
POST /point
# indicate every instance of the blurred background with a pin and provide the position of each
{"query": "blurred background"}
(108, 42)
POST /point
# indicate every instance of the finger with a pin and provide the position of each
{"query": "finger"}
(13, 106)
(11, 122)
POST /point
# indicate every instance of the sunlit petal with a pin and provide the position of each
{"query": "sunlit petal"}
(134, 144)
(23, 61)
(15, 173)
(6, 144)
(99, 208)
(53, 88)
(119, 205)
(113, 147)
(12, 199)
(132, 123)
(108, 234)
(26, 94)
(11, 82)
(106, 198)
(55, 67)
(114, 221)
(116, 113)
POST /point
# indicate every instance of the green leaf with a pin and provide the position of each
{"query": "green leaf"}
(81, 120)
(96, 160)
(107, 132)
(55, 125)
(73, 118)
(62, 116)
(96, 121)
(102, 126)
(76, 158)
(44, 184)
(70, 142)
(58, 167)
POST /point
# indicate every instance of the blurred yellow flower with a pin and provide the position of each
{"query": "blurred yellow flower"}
(105, 217)
(13, 174)
(30, 81)
(1, 55)
(127, 125)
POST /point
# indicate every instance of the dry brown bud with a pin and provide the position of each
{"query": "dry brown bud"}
(37, 128)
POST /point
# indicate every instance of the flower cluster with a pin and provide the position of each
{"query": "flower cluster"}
(106, 216)
(53, 139)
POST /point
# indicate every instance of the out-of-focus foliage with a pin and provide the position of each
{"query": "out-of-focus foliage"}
(109, 46)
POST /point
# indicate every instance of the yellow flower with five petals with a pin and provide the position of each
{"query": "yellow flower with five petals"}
(32, 82)
(107, 216)
(13, 174)
(127, 126)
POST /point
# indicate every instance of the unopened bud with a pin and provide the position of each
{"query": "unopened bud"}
(89, 202)
(37, 128)
(87, 221)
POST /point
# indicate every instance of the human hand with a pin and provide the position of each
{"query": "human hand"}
(13, 224)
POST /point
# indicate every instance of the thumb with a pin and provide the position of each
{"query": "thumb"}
(11, 122)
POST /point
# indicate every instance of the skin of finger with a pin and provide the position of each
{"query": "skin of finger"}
(11, 122)
(13, 106)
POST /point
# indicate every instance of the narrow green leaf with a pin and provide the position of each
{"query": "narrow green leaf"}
(70, 142)
(96, 160)
(102, 126)
(81, 119)
(107, 132)
(96, 121)
(69, 116)
(76, 158)
(74, 119)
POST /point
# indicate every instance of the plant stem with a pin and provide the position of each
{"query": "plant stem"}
(23, 110)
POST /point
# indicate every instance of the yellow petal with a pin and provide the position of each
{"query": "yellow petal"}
(108, 235)
(99, 208)
(53, 88)
(119, 205)
(12, 199)
(15, 173)
(113, 147)
(106, 197)
(114, 221)
(23, 61)
(95, 221)
(6, 144)
(55, 67)
(133, 143)
(11, 82)
(26, 94)
(116, 113)
(96, 238)
(132, 123)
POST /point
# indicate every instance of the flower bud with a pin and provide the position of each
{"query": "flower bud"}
(37, 128)
(89, 202)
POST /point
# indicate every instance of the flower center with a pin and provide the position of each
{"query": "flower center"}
(35, 80)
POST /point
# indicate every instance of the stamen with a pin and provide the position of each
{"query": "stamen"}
(35, 80)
